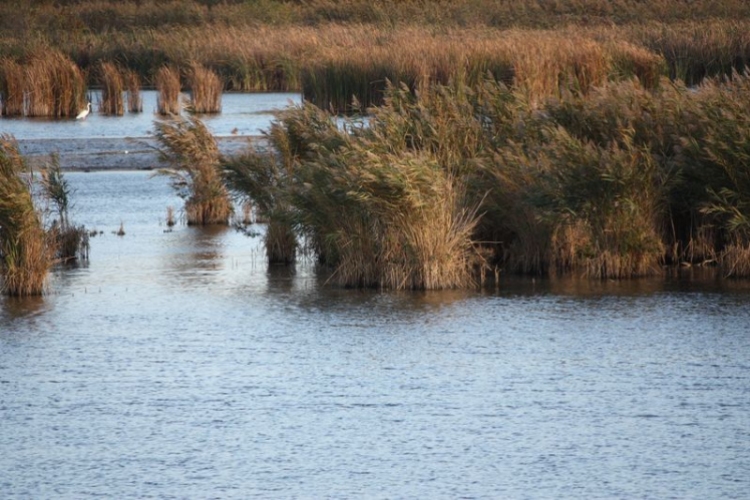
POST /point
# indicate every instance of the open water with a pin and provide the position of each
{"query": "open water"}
(127, 142)
(177, 364)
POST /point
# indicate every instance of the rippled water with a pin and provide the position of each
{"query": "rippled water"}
(178, 365)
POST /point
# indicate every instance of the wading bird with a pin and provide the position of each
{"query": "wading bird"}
(83, 114)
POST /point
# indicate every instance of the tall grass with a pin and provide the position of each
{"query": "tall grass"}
(112, 90)
(195, 169)
(168, 88)
(25, 254)
(205, 90)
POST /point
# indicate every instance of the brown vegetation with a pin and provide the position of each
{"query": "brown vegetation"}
(194, 156)
(133, 86)
(168, 86)
(112, 90)
(205, 90)
(25, 253)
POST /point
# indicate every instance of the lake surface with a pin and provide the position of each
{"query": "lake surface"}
(177, 364)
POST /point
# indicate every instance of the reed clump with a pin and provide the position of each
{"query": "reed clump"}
(113, 86)
(133, 89)
(70, 241)
(205, 90)
(195, 169)
(54, 85)
(377, 217)
(168, 88)
(262, 179)
(25, 253)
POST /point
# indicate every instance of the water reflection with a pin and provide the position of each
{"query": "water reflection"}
(196, 254)
(15, 308)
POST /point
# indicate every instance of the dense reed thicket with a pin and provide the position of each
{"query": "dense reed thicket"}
(194, 156)
(333, 50)
(450, 180)
(25, 253)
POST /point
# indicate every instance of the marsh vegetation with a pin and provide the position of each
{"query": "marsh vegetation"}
(603, 139)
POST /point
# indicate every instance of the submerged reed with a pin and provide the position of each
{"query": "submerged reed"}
(25, 254)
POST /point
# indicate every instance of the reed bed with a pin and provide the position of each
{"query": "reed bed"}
(332, 63)
(205, 90)
(113, 86)
(24, 248)
(168, 88)
(12, 84)
(195, 170)
(108, 16)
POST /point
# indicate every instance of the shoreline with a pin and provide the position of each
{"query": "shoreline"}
(113, 153)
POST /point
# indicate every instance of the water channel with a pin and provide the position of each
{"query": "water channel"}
(177, 364)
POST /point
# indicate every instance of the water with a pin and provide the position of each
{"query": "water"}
(100, 142)
(178, 365)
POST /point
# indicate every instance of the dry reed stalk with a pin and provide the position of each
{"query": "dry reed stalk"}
(196, 170)
(25, 253)
(735, 260)
(112, 90)
(133, 86)
(168, 86)
(205, 90)
(11, 88)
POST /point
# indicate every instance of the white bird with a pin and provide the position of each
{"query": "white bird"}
(83, 114)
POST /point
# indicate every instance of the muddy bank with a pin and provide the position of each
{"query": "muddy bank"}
(127, 153)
